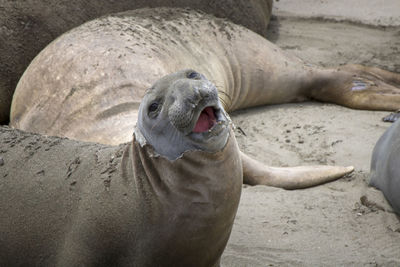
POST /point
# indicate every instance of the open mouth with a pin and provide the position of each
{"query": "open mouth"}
(206, 120)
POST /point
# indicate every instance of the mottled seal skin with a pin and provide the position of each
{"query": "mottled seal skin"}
(154, 202)
(87, 84)
(28, 26)
(173, 107)
(143, 208)
(385, 165)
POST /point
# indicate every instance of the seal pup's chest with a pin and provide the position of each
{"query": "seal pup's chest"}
(191, 209)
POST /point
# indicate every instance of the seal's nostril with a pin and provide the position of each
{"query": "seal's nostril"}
(205, 95)
(194, 100)
(196, 95)
(204, 92)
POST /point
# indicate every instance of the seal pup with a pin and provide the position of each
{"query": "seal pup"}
(385, 165)
(169, 197)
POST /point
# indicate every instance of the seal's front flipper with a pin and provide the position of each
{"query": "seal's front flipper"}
(392, 117)
(358, 87)
(256, 173)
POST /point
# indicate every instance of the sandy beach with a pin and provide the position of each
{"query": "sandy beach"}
(343, 223)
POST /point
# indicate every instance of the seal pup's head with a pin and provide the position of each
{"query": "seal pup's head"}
(182, 112)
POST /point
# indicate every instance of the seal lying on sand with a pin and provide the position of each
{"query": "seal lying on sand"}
(168, 198)
(87, 84)
(385, 165)
(28, 26)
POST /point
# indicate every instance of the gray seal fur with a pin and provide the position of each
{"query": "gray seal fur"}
(179, 101)
(124, 206)
(385, 165)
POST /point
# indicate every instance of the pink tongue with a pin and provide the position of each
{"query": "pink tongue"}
(205, 121)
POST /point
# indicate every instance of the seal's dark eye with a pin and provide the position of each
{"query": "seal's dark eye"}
(192, 75)
(153, 107)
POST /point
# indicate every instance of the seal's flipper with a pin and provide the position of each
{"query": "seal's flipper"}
(392, 117)
(383, 75)
(358, 87)
(256, 173)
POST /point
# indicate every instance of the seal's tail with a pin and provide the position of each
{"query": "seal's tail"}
(256, 173)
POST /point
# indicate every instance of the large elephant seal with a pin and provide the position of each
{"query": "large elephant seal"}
(87, 84)
(26, 27)
(385, 165)
(168, 198)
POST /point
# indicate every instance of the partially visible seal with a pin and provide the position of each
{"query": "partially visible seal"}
(88, 83)
(385, 165)
(28, 26)
(170, 201)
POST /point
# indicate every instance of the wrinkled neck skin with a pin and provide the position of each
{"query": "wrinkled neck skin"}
(187, 172)
(188, 204)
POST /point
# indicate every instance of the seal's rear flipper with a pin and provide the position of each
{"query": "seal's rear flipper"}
(256, 173)
(358, 87)
(392, 117)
